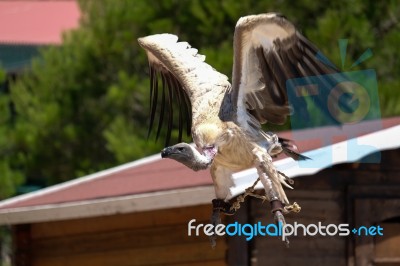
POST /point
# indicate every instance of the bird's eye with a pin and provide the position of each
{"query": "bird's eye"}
(180, 149)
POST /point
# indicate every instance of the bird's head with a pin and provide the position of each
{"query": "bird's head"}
(179, 152)
(187, 155)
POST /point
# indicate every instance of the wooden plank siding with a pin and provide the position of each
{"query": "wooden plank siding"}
(147, 238)
(317, 206)
(328, 196)
(387, 251)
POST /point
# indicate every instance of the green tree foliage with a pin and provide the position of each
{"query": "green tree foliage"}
(83, 106)
(2, 75)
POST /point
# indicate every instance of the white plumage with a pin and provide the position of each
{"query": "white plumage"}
(226, 118)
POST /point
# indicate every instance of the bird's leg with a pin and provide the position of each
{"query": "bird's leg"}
(223, 206)
(215, 220)
(219, 205)
(265, 169)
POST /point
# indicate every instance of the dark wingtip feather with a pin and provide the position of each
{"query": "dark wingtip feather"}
(170, 110)
(179, 96)
(172, 93)
(153, 98)
(296, 156)
(160, 121)
(188, 112)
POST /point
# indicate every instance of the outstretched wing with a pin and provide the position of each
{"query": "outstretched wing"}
(268, 51)
(182, 75)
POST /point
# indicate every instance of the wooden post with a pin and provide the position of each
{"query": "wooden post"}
(238, 247)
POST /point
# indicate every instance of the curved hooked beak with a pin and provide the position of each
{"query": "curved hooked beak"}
(166, 152)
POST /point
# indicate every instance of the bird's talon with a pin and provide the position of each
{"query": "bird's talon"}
(280, 220)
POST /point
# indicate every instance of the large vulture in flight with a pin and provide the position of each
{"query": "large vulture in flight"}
(226, 118)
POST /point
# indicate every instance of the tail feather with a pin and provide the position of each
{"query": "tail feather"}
(296, 156)
(290, 149)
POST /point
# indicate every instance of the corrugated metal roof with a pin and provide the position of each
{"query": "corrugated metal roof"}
(121, 189)
(147, 175)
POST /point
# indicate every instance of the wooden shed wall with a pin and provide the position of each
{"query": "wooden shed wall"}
(147, 238)
(357, 194)
(324, 206)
